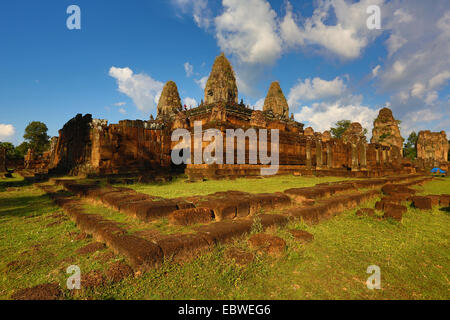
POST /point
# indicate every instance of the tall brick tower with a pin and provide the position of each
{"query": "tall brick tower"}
(221, 85)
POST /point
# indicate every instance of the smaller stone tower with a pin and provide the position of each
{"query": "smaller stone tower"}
(169, 102)
(276, 101)
(386, 131)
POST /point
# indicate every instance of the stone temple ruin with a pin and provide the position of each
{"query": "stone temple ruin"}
(88, 146)
(143, 149)
(432, 149)
(386, 131)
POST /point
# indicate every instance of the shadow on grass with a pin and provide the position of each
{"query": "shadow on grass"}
(446, 210)
(4, 183)
(25, 206)
(175, 179)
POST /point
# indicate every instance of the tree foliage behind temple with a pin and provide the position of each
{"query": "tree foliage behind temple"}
(410, 147)
(13, 152)
(36, 136)
(341, 126)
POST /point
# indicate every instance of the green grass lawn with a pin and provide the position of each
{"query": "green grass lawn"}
(37, 243)
(414, 258)
(414, 255)
(179, 188)
(438, 186)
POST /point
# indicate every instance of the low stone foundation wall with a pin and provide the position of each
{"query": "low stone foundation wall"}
(223, 215)
(197, 172)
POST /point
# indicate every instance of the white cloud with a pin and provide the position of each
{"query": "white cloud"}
(289, 30)
(346, 38)
(315, 89)
(431, 97)
(190, 102)
(189, 69)
(439, 80)
(402, 96)
(323, 116)
(398, 68)
(394, 43)
(331, 101)
(402, 16)
(248, 30)
(252, 31)
(429, 118)
(198, 9)
(119, 104)
(418, 90)
(375, 71)
(122, 111)
(141, 88)
(6, 131)
(416, 68)
(202, 82)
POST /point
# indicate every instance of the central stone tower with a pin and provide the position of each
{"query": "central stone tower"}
(221, 85)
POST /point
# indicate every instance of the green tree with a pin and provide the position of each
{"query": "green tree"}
(36, 136)
(15, 152)
(341, 126)
(22, 149)
(9, 148)
(410, 147)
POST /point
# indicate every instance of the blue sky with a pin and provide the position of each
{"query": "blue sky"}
(329, 64)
